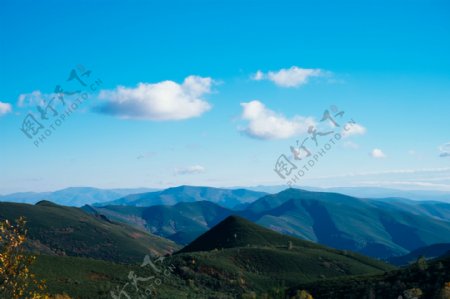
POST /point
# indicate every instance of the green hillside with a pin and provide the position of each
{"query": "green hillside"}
(240, 256)
(59, 230)
(421, 280)
(257, 262)
(428, 252)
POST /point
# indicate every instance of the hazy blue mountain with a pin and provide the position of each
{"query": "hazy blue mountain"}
(364, 192)
(434, 209)
(377, 192)
(74, 196)
(225, 197)
(181, 223)
(380, 228)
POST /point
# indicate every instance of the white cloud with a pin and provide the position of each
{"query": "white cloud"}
(392, 183)
(444, 150)
(189, 170)
(377, 153)
(291, 77)
(353, 129)
(258, 76)
(5, 108)
(166, 100)
(264, 123)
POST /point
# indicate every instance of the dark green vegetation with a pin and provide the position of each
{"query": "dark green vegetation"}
(380, 228)
(59, 230)
(258, 261)
(431, 280)
(224, 197)
(85, 278)
(241, 257)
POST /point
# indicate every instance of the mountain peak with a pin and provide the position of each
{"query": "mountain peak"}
(46, 203)
(235, 231)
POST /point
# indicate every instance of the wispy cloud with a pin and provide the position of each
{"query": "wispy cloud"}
(377, 153)
(291, 77)
(195, 169)
(392, 184)
(444, 150)
(166, 100)
(33, 98)
(426, 171)
(5, 108)
(146, 155)
(264, 123)
(353, 130)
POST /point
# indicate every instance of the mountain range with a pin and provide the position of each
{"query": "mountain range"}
(229, 198)
(73, 196)
(376, 227)
(234, 257)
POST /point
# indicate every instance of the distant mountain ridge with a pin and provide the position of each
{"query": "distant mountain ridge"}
(369, 226)
(228, 198)
(364, 192)
(73, 196)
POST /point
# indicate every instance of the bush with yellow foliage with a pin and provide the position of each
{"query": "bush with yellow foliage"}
(16, 280)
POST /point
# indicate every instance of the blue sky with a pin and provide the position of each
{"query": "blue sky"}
(175, 74)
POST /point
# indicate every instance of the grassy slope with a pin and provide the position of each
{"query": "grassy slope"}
(259, 260)
(430, 280)
(70, 231)
(241, 256)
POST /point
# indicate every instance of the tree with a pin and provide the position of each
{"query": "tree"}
(421, 263)
(302, 294)
(290, 246)
(16, 280)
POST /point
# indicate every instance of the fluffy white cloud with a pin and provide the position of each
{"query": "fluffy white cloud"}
(5, 108)
(264, 123)
(444, 150)
(189, 170)
(353, 129)
(291, 77)
(166, 100)
(377, 153)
